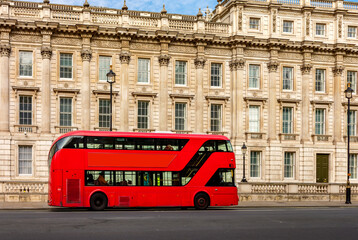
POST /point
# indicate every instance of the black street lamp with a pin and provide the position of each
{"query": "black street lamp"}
(110, 79)
(243, 149)
(348, 92)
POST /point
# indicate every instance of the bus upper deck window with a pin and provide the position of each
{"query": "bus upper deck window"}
(74, 142)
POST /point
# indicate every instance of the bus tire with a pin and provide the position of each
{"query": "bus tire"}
(98, 201)
(201, 201)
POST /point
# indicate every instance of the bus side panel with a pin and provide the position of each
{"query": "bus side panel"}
(223, 196)
(55, 191)
(168, 196)
(72, 188)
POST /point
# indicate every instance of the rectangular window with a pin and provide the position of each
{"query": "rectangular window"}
(25, 159)
(143, 70)
(104, 66)
(352, 123)
(180, 116)
(25, 64)
(320, 29)
(255, 164)
(216, 118)
(66, 65)
(254, 118)
(180, 73)
(319, 121)
(104, 113)
(25, 110)
(353, 165)
(65, 112)
(287, 78)
(216, 75)
(287, 27)
(143, 114)
(352, 32)
(320, 80)
(352, 79)
(289, 165)
(287, 120)
(255, 23)
(254, 76)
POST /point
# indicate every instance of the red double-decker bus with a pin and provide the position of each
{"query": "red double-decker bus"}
(113, 169)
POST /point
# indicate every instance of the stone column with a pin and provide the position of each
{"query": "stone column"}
(240, 100)
(305, 110)
(46, 53)
(86, 55)
(4, 86)
(163, 92)
(124, 57)
(272, 66)
(199, 103)
(234, 91)
(337, 72)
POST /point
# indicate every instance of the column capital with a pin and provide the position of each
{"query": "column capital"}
(272, 66)
(86, 54)
(199, 62)
(306, 68)
(164, 59)
(237, 64)
(338, 70)
(5, 50)
(46, 52)
(125, 57)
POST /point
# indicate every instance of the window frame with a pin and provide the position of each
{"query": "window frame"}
(103, 68)
(26, 111)
(283, 26)
(214, 75)
(257, 121)
(353, 123)
(287, 80)
(71, 113)
(184, 118)
(144, 116)
(219, 119)
(104, 115)
(291, 165)
(255, 27)
(324, 29)
(19, 145)
(354, 77)
(67, 67)
(290, 122)
(26, 65)
(142, 72)
(184, 75)
(258, 165)
(323, 122)
(353, 166)
(323, 81)
(355, 32)
(254, 77)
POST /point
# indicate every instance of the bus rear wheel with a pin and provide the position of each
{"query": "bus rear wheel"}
(98, 201)
(201, 201)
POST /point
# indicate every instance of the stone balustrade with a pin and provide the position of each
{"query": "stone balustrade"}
(295, 191)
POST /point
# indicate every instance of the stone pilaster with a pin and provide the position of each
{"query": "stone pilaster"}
(306, 80)
(337, 93)
(163, 90)
(86, 55)
(4, 83)
(199, 105)
(46, 53)
(272, 67)
(124, 57)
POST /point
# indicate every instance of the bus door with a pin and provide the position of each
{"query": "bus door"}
(168, 193)
(56, 187)
(72, 190)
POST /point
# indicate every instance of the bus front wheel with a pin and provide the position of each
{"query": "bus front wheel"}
(201, 201)
(98, 201)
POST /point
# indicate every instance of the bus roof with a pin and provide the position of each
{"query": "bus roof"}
(142, 135)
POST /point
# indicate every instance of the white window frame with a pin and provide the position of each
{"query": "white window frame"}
(143, 72)
(289, 167)
(291, 27)
(349, 33)
(253, 77)
(22, 55)
(287, 78)
(104, 115)
(180, 118)
(178, 74)
(322, 123)
(254, 118)
(287, 124)
(352, 79)
(218, 119)
(31, 161)
(353, 123)
(66, 113)
(256, 165)
(353, 165)
(254, 25)
(102, 68)
(217, 77)
(63, 67)
(147, 116)
(321, 32)
(320, 81)
(26, 111)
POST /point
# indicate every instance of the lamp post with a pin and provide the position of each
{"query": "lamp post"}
(243, 149)
(110, 79)
(348, 92)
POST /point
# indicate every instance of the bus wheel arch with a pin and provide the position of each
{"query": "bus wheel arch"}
(98, 201)
(201, 201)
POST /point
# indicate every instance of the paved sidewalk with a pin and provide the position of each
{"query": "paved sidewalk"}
(246, 204)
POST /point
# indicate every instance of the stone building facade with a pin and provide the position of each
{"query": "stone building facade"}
(268, 73)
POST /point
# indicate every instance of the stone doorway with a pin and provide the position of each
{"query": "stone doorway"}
(322, 168)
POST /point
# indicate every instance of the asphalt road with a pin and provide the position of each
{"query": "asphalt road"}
(171, 224)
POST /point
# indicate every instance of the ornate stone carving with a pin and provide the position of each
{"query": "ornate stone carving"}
(217, 51)
(272, 66)
(240, 18)
(340, 20)
(306, 68)
(125, 57)
(164, 59)
(236, 64)
(256, 53)
(233, 65)
(46, 52)
(274, 19)
(5, 50)
(182, 49)
(308, 23)
(338, 70)
(199, 62)
(86, 55)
